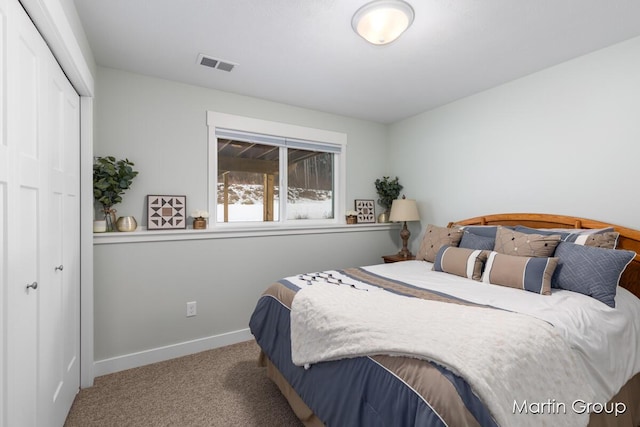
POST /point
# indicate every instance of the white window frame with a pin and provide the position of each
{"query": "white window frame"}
(251, 125)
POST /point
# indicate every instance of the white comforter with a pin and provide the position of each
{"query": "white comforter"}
(589, 338)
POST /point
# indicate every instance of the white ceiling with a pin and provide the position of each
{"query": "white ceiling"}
(304, 52)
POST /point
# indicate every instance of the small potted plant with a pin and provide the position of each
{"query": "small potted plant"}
(111, 178)
(352, 217)
(199, 219)
(388, 190)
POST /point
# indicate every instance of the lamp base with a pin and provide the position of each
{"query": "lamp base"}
(404, 235)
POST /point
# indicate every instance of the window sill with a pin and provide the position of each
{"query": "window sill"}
(144, 235)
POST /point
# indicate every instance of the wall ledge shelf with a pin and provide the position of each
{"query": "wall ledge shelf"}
(223, 232)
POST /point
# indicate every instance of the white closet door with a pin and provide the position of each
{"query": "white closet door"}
(25, 197)
(42, 306)
(59, 311)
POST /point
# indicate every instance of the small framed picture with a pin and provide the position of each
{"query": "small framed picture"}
(166, 212)
(365, 210)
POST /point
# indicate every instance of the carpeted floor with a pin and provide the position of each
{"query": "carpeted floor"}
(221, 387)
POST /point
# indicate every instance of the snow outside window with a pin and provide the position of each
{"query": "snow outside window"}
(264, 178)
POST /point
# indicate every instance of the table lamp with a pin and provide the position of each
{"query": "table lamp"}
(404, 210)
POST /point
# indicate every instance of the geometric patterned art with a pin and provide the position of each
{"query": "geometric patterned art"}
(166, 212)
(365, 211)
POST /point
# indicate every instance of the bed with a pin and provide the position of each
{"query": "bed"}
(489, 326)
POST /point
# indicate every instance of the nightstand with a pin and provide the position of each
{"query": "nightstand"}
(396, 258)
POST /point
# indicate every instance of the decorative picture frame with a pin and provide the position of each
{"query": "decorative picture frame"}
(166, 212)
(366, 210)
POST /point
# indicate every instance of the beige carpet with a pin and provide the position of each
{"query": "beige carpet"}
(221, 387)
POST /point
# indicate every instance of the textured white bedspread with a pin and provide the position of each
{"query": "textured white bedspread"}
(607, 340)
(505, 357)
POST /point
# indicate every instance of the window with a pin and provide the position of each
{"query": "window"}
(267, 172)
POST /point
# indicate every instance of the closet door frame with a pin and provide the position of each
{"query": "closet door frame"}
(4, 177)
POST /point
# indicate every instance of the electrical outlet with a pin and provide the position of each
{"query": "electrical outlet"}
(191, 309)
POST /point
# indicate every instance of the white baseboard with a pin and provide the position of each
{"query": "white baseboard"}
(134, 360)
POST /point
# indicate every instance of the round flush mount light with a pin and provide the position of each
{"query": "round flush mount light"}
(382, 21)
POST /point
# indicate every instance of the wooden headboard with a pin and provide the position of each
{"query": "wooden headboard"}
(629, 238)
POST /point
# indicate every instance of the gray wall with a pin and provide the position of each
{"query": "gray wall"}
(565, 140)
(141, 289)
(161, 126)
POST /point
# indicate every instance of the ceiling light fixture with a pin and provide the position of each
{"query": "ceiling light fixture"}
(382, 21)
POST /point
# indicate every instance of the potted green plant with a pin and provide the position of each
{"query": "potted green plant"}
(111, 178)
(388, 190)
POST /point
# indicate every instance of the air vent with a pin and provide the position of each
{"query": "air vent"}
(218, 64)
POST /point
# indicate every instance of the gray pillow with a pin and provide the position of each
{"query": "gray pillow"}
(471, 240)
(482, 230)
(591, 271)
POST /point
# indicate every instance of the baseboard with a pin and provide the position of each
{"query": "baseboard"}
(134, 360)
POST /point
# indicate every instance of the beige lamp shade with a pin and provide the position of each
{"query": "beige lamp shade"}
(404, 210)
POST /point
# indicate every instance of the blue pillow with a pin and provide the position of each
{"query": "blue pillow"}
(482, 230)
(475, 241)
(591, 271)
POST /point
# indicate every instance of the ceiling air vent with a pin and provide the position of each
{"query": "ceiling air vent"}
(218, 64)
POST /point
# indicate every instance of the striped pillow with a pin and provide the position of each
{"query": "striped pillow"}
(605, 238)
(531, 274)
(460, 261)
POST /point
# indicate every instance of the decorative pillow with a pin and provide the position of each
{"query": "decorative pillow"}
(591, 271)
(460, 261)
(599, 237)
(434, 238)
(531, 274)
(511, 242)
(564, 233)
(582, 230)
(475, 241)
(608, 240)
(482, 230)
